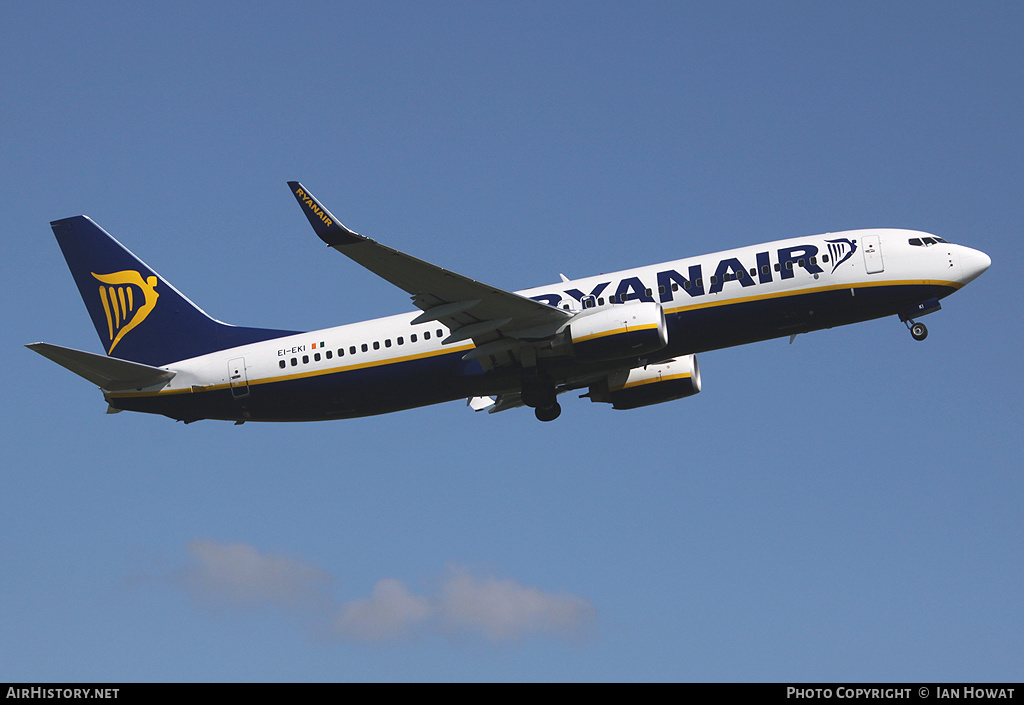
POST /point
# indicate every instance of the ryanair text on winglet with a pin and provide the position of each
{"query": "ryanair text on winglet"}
(312, 205)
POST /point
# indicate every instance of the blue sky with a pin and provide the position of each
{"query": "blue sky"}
(844, 508)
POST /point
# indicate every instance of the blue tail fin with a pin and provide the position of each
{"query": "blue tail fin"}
(137, 314)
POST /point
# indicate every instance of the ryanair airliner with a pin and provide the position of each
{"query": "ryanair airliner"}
(628, 339)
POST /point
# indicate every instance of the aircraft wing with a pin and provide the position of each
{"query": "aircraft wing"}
(470, 309)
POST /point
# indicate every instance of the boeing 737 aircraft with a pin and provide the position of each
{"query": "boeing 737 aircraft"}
(628, 339)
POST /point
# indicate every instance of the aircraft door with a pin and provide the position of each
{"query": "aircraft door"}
(873, 254)
(237, 379)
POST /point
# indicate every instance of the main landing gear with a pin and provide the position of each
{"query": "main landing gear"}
(539, 394)
(548, 413)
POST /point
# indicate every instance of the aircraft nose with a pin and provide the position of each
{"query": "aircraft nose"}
(973, 263)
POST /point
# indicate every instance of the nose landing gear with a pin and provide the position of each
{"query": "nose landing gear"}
(918, 331)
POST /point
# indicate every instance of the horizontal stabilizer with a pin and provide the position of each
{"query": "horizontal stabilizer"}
(109, 373)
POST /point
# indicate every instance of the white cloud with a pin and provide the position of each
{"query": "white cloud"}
(237, 575)
(504, 609)
(392, 612)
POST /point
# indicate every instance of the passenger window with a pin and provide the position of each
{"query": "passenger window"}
(329, 354)
(387, 342)
(352, 350)
(412, 338)
(316, 357)
(376, 345)
(440, 332)
(281, 364)
(426, 335)
(765, 269)
(400, 340)
(294, 362)
(305, 359)
(341, 352)
(364, 347)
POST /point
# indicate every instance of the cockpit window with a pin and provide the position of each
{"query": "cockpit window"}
(926, 241)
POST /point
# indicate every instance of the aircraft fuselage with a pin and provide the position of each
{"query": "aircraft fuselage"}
(710, 302)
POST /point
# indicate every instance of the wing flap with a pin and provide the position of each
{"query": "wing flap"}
(493, 405)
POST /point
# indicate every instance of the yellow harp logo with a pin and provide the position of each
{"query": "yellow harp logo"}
(127, 300)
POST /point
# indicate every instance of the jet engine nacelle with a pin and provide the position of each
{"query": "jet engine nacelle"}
(618, 332)
(652, 384)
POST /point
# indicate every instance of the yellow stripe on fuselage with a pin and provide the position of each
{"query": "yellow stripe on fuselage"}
(301, 375)
(725, 301)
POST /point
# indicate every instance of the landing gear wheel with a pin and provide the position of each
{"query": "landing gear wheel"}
(918, 331)
(548, 413)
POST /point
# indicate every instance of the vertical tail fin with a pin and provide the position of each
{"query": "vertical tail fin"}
(138, 315)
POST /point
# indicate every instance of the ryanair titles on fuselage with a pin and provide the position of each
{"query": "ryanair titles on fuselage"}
(694, 283)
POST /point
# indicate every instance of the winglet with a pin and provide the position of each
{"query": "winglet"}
(324, 224)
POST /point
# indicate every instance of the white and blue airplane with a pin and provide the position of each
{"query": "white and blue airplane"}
(629, 338)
